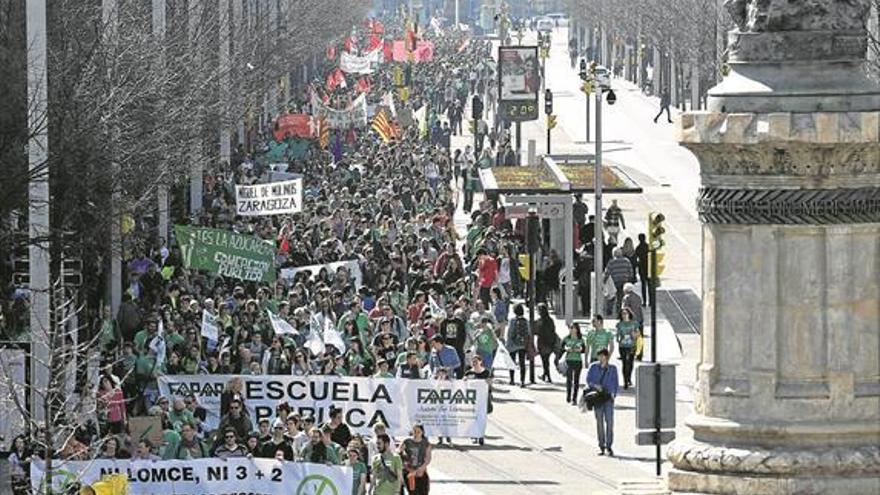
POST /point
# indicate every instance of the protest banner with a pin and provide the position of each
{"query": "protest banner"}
(210, 330)
(295, 125)
(198, 476)
(280, 325)
(274, 198)
(353, 267)
(352, 64)
(447, 408)
(226, 253)
(353, 116)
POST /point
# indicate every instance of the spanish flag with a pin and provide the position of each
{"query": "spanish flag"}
(383, 126)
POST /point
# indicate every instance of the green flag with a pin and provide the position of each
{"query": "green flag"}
(226, 253)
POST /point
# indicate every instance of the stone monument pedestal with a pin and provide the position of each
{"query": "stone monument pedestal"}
(787, 397)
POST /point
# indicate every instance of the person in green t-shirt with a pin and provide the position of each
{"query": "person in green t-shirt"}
(573, 345)
(598, 338)
(359, 470)
(387, 468)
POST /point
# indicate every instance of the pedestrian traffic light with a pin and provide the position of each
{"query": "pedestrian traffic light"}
(551, 121)
(548, 101)
(533, 228)
(525, 267)
(658, 267)
(583, 69)
(656, 230)
(476, 108)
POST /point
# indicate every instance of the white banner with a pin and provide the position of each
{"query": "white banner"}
(352, 64)
(209, 326)
(447, 408)
(274, 198)
(13, 389)
(353, 116)
(354, 269)
(201, 476)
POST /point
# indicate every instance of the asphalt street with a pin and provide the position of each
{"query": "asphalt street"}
(536, 442)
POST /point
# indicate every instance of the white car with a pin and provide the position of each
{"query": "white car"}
(545, 25)
(602, 77)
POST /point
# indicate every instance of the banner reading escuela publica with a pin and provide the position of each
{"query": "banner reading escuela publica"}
(201, 476)
(245, 257)
(446, 408)
(274, 198)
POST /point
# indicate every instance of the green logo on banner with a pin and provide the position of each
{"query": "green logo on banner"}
(315, 484)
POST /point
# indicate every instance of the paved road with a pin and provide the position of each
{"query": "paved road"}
(536, 442)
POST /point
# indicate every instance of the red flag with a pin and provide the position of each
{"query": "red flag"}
(374, 43)
(388, 50)
(363, 85)
(378, 27)
(334, 79)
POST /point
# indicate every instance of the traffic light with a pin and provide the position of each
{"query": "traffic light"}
(587, 87)
(583, 69)
(548, 101)
(656, 230)
(476, 108)
(525, 266)
(551, 121)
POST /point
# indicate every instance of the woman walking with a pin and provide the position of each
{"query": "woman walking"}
(573, 345)
(548, 341)
(627, 333)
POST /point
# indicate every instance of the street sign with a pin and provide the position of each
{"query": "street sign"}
(647, 437)
(646, 396)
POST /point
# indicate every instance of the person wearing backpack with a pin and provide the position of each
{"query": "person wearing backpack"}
(517, 337)
(189, 446)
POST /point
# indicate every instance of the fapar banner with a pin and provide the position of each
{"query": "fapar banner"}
(353, 116)
(352, 266)
(198, 476)
(454, 408)
(245, 257)
(274, 198)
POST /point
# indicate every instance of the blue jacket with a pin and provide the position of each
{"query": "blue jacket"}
(609, 382)
(447, 357)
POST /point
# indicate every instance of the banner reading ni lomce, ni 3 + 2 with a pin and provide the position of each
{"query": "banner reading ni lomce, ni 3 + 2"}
(199, 476)
(226, 253)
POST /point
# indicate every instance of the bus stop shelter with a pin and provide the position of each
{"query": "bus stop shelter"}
(548, 187)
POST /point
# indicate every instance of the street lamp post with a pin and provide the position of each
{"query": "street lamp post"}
(583, 74)
(599, 240)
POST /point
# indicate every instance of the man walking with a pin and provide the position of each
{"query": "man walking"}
(621, 271)
(387, 468)
(664, 105)
(602, 377)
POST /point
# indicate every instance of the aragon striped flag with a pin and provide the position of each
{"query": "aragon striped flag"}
(383, 126)
(324, 134)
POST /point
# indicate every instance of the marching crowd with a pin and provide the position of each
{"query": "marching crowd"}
(423, 301)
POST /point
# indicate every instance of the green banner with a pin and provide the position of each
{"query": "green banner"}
(226, 253)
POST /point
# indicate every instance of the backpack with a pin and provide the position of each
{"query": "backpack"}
(520, 332)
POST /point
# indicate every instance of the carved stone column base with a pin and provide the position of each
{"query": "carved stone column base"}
(705, 468)
(715, 484)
